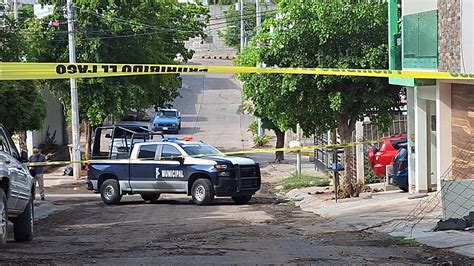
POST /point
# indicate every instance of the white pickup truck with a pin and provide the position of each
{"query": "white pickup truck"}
(16, 191)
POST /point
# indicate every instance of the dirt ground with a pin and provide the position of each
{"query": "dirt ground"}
(174, 230)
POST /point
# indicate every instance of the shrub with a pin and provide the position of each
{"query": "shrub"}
(253, 127)
(260, 141)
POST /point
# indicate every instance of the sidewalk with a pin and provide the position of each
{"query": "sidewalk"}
(56, 178)
(392, 212)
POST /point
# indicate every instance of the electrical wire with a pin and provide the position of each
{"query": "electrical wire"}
(157, 29)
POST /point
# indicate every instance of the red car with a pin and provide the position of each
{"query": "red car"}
(383, 156)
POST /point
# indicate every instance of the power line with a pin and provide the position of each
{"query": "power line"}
(156, 29)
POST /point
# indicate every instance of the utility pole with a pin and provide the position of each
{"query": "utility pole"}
(76, 148)
(15, 10)
(258, 14)
(298, 155)
(242, 25)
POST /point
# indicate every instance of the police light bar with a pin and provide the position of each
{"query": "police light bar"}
(175, 139)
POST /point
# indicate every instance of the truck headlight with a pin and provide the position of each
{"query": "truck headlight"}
(220, 167)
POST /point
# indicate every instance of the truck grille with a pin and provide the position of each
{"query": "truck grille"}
(249, 183)
(248, 171)
(166, 125)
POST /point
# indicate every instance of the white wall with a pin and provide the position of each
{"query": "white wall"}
(411, 137)
(443, 130)
(467, 37)
(54, 120)
(410, 7)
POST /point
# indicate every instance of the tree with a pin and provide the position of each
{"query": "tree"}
(22, 106)
(334, 34)
(125, 31)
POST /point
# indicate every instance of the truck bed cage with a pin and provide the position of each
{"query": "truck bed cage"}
(122, 152)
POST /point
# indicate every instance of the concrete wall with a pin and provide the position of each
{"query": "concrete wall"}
(410, 7)
(444, 131)
(54, 122)
(457, 198)
(411, 138)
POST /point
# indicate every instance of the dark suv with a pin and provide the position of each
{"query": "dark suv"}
(16, 191)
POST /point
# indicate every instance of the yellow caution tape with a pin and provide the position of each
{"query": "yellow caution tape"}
(23, 71)
(303, 148)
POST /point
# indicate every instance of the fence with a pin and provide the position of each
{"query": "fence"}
(370, 133)
(454, 200)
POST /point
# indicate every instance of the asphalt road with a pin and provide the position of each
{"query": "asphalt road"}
(175, 231)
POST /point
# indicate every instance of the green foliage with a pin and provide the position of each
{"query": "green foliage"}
(405, 241)
(303, 180)
(129, 31)
(260, 141)
(321, 38)
(22, 106)
(253, 127)
(370, 178)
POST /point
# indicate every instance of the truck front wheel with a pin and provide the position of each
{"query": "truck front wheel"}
(23, 224)
(3, 218)
(202, 192)
(242, 199)
(110, 192)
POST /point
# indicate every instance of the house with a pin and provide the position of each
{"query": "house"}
(436, 35)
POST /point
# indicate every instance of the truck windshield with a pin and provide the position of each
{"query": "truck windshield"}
(167, 113)
(200, 149)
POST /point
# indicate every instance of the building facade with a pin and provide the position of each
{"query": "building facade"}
(435, 35)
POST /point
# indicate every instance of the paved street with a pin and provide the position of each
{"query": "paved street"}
(175, 231)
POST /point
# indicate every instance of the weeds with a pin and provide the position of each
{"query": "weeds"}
(260, 141)
(301, 181)
(405, 241)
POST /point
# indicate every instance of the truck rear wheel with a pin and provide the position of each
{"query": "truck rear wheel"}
(242, 199)
(23, 224)
(150, 197)
(110, 192)
(202, 192)
(3, 218)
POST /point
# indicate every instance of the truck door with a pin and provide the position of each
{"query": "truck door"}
(23, 180)
(143, 169)
(170, 171)
(9, 170)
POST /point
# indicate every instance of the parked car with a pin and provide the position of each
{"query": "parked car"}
(399, 174)
(16, 191)
(383, 156)
(167, 120)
